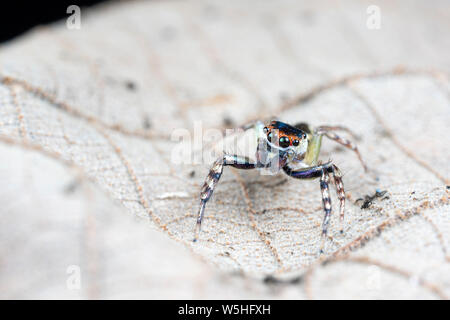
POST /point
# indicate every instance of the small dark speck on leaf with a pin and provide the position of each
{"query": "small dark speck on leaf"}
(227, 121)
(385, 134)
(192, 174)
(272, 280)
(71, 187)
(130, 85)
(146, 123)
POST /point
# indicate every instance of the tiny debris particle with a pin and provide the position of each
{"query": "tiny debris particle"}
(130, 85)
(227, 121)
(192, 174)
(71, 187)
(270, 280)
(146, 123)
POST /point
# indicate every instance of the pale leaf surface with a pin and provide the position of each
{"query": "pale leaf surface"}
(87, 175)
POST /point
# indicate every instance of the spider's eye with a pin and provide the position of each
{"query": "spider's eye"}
(265, 129)
(304, 136)
(269, 137)
(295, 143)
(284, 142)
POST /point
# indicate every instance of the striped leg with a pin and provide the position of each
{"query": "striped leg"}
(322, 172)
(327, 132)
(337, 176)
(335, 128)
(213, 178)
(309, 173)
(326, 201)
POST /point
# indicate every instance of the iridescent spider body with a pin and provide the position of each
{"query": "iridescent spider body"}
(292, 149)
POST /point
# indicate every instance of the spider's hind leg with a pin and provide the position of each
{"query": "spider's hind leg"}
(212, 179)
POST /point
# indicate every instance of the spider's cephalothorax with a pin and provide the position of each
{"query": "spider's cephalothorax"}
(280, 144)
(293, 149)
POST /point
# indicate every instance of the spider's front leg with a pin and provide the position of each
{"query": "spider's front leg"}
(213, 178)
(329, 132)
(323, 171)
(315, 142)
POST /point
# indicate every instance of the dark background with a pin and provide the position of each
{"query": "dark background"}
(16, 17)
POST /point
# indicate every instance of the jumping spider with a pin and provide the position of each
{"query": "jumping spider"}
(295, 150)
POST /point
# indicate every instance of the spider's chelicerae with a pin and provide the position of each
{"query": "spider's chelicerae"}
(293, 149)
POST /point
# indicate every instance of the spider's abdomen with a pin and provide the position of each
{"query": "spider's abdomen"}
(241, 143)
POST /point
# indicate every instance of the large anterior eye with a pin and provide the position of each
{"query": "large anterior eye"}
(284, 142)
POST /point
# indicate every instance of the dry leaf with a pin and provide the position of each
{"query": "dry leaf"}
(86, 119)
